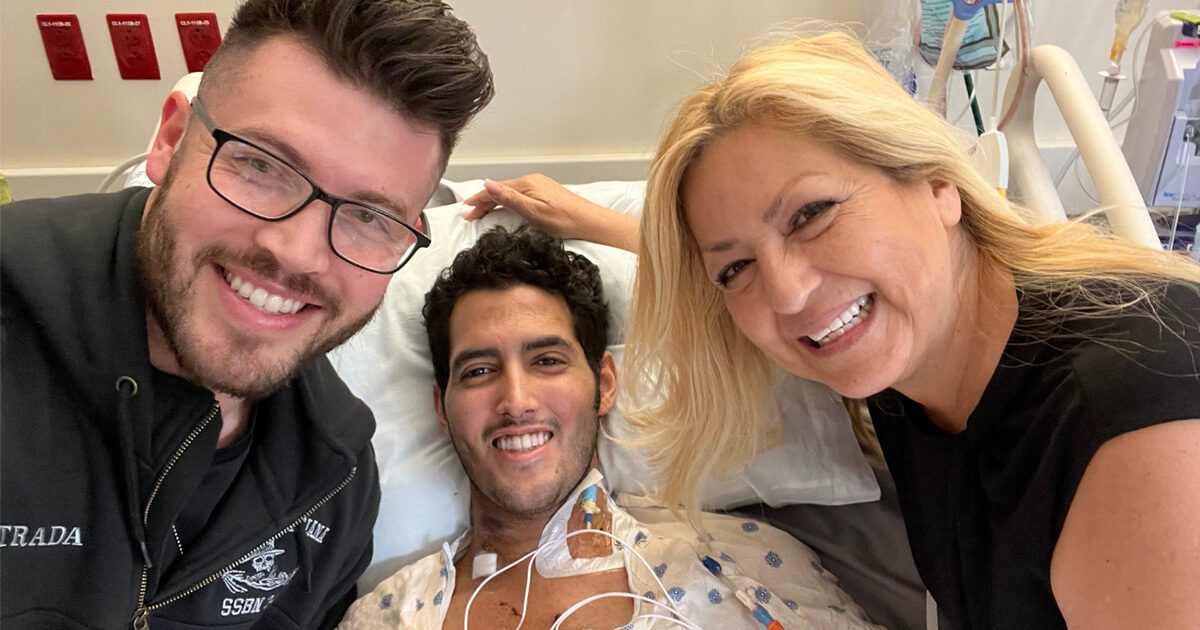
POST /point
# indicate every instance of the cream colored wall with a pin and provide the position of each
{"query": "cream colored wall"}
(582, 82)
(583, 88)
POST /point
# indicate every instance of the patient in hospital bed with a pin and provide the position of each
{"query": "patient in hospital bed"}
(517, 328)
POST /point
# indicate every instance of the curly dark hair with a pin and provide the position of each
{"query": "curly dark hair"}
(415, 54)
(503, 259)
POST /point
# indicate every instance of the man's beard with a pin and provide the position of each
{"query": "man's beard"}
(234, 364)
(576, 462)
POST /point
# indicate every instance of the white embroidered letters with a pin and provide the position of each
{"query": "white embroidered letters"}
(52, 536)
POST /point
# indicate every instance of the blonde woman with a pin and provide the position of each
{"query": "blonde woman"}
(1035, 389)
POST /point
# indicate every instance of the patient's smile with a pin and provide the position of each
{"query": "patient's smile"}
(524, 442)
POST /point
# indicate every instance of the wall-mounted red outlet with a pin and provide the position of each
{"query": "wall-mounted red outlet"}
(200, 36)
(133, 45)
(64, 47)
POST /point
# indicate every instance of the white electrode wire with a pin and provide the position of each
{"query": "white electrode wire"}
(668, 603)
(999, 54)
(524, 598)
(682, 621)
(467, 612)
(529, 574)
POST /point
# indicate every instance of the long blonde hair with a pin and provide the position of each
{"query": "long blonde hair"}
(703, 395)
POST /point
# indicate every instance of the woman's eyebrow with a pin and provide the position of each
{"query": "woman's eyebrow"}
(777, 206)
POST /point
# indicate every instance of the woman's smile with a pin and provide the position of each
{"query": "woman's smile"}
(836, 271)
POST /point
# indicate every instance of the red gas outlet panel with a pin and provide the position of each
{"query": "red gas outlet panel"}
(133, 45)
(199, 35)
(64, 47)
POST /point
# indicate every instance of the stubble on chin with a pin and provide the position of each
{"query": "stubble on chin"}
(528, 502)
(236, 364)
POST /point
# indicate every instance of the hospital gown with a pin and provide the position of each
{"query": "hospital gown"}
(783, 575)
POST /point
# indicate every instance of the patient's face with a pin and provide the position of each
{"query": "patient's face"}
(521, 405)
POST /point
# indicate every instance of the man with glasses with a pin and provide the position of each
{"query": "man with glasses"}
(177, 451)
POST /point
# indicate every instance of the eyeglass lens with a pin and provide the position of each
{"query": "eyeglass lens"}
(261, 184)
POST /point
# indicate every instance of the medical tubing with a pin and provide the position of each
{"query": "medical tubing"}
(119, 170)
(1187, 163)
(589, 505)
(1083, 187)
(1062, 173)
(1131, 97)
(664, 618)
(970, 83)
(529, 574)
(668, 603)
(961, 114)
(683, 620)
(760, 614)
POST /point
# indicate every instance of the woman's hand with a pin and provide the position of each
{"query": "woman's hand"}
(555, 210)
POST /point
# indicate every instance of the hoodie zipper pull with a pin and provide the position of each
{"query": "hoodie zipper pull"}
(141, 619)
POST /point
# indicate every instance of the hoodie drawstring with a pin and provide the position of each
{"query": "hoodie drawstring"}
(128, 388)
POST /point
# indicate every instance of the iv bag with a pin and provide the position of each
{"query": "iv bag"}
(978, 48)
(891, 37)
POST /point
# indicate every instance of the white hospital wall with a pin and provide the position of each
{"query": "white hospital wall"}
(583, 88)
(589, 80)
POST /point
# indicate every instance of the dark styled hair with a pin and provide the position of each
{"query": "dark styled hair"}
(501, 260)
(415, 54)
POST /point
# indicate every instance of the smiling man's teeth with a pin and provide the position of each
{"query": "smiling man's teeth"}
(848, 319)
(522, 442)
(258, 296)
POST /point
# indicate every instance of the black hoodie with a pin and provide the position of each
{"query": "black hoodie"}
(99, 456)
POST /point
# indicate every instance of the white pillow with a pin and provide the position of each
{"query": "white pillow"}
(425, 491)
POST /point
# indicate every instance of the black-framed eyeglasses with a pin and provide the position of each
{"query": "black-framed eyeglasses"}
(259, 183)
